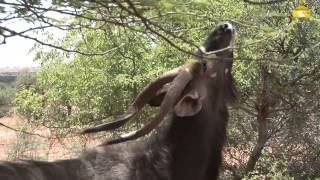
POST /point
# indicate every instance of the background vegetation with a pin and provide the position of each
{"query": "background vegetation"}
(111, 49)
(10, 82)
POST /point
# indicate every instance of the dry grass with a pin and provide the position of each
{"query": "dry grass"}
(7, 137)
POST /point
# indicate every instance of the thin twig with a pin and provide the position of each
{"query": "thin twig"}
(264, 2)
(60, 47)
(25, 132)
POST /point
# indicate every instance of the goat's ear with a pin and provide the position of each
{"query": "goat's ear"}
(189, 105)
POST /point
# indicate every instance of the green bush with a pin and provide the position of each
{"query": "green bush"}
(25, 79)
(29, 103)
(7, 93)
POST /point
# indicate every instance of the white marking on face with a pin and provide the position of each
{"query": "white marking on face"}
(234, 33)
(213, 75)
(128, 134)
(203, 49)
(229, 26)
(226, 70)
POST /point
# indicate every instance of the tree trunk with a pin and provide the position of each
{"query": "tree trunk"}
(262, 139)
(262, 106)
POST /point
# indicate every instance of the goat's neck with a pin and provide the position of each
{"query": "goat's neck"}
(196, 143)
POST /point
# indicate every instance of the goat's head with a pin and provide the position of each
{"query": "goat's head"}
(191, 84)
(220, 38)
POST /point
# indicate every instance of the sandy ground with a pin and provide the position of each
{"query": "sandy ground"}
(7, 136)
(17, 145)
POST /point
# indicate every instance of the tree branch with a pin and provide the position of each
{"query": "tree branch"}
(264, 2)
(25, 132)
(60, 47)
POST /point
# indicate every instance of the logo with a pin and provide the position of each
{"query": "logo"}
(301, 12)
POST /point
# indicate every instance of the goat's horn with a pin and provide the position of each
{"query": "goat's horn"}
(173, 94)
(143, 98)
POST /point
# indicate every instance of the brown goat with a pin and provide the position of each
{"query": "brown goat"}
(186, 147)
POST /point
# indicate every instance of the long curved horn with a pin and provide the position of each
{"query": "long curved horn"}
(172, 96)
(143, 98)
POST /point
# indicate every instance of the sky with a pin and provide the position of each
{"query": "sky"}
(15, 53)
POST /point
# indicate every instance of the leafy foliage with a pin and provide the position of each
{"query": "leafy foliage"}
(122, 46)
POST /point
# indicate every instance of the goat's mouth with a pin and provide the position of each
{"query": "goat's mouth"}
(220, 40)
(227, 28)
(232, 36)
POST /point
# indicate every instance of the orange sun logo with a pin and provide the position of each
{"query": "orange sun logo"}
(301, 12)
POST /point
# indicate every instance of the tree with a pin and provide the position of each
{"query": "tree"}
(114, 47)
(272, 100)
(137, 16)
(25, 79)
(139, 55)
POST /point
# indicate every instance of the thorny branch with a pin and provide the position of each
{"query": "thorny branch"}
(148, 25)
(127, 18)
(25, 132)
(22, 34)
(129, 15)
(263, 1)
(38, 13)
